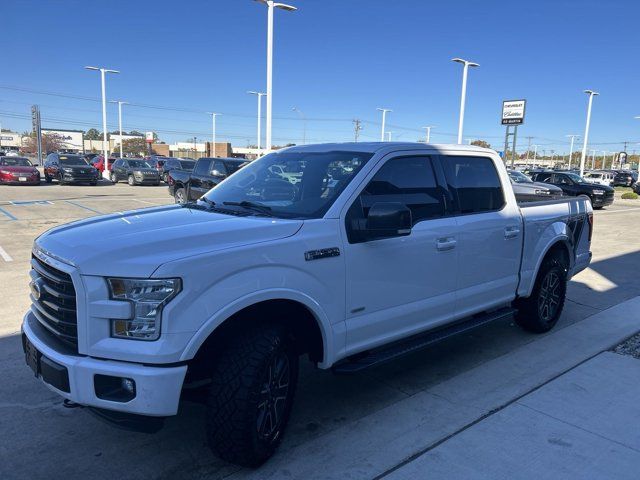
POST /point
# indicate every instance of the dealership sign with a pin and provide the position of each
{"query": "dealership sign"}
(513, 112)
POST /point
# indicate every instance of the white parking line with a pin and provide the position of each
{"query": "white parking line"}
(143, 201)
(6, 257)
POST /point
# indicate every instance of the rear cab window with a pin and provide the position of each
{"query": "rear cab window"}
(474, 183)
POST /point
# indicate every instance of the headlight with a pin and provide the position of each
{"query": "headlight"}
(598, 192)
(5, 172)
(148, 298)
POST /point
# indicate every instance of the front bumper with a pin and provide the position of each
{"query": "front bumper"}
(602, 200)
(146, 180)
(79, 178)
(15, 179)
(157, 388)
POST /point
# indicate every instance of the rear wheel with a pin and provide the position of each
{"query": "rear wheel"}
(131, 181)
(251, 395)
(60, 179)
(180, 196)
(540, 312)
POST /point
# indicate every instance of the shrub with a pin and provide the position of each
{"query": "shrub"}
(630, 196)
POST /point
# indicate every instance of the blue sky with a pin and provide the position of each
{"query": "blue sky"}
(335, 60)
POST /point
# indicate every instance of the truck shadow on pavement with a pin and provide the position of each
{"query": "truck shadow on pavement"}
(43, 439)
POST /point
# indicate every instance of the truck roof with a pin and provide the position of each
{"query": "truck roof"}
(374, 147)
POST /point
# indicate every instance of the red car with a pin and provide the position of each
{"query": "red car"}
(19, 171)
(98, 163)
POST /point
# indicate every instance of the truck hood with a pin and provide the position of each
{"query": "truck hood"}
(136, 243)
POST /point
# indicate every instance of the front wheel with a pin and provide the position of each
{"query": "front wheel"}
(131, 181)
(540, 312)
(48, 179)
(251, 395)
(60, 180)
(113, 177)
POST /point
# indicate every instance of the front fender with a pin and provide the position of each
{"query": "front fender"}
(536, 247)
(260, 296)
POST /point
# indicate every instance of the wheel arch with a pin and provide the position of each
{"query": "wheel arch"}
(559, 247)
(301, 314)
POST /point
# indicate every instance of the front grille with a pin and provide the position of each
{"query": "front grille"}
(53, 300)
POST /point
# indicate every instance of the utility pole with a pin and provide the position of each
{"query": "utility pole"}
(528, 147)
(357, 126)
(593, 160)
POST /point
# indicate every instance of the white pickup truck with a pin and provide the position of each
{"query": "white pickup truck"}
(376, 250)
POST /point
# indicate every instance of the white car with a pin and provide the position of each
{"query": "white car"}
(600, 178)
(376, 250)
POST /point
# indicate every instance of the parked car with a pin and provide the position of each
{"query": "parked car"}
(156, 161)
(636, 187)
(69, 169)
(176, 163)
(600, 178)
(381, 249)
(134, 171)
(526, 190)
(98, 163)
(18, 170)
(90, 156)
(187, 186)
(573, 184)
(625, 178)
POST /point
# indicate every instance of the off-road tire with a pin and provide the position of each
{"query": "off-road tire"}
(540, 312)
(180, 196)
(243, 388)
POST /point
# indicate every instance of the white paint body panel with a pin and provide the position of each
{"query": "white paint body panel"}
(373, 293)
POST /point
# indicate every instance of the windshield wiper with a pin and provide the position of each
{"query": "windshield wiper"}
(264, 209)
(211, 203)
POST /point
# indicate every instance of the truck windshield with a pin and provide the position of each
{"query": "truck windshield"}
(519, 177)
(290, 184)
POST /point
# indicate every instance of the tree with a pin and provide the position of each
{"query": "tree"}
(136, 133)
(51, 142)
(481, 143)
(133, 147)
(93, 134)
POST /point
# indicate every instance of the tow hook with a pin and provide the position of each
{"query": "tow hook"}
(69, 404)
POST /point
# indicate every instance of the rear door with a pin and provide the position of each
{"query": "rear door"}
(489, 233)
(401, 285)
(199, 177)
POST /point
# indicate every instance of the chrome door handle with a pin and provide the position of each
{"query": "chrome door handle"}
(446, 243)
(511, 232)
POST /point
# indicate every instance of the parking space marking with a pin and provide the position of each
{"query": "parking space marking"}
(6, 257)
(11, 217)
(31, 202)
(621, 210)
(82, 206)
(143, 201)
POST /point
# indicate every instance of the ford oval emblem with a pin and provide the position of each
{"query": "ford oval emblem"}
(35, 289)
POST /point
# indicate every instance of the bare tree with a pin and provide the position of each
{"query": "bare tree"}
(51, 142)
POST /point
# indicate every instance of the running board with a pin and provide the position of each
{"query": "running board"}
(387, 353)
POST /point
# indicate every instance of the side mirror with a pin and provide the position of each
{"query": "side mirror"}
(217, 173)
(388, 219)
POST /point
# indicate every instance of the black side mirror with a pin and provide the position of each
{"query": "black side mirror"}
(388, 219)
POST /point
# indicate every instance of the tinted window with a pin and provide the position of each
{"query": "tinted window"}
(475, 183)
(410, 181)
(15, 162)
(202, 167)
(118, 163)
(186, 164)
(561, 180)
(218, 168)
(69, 160)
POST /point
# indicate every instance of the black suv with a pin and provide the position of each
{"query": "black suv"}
(175, 164)
(135, 171)
(69, 169)
(625, 178)
(573, 185)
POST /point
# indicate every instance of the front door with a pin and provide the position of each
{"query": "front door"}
(402, 285)
(199, 177)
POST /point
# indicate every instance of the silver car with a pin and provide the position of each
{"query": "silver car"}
(527, 190)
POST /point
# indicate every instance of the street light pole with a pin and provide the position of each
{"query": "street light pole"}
(304, 124)
(389, 136)
(593, 159)
(535, 153)
(463, 97)
(105, 146)
(259, 95)
(428, 129)
(572, 137)
(270, 6)
(384, 116)
(591, 94)
(213, 132)
(120, 103)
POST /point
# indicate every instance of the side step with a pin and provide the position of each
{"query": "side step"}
(387, 353)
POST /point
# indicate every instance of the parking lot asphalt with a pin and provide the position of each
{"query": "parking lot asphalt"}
(39, 438)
